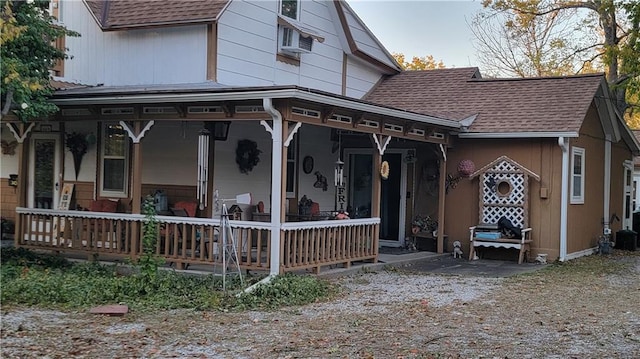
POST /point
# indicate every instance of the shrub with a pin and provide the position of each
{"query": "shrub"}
(50, 281)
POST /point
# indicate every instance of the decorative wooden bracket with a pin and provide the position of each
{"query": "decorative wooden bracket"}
(228, 109)
(381, 147)
(136, 137)
(267, 127)
(326, 114)
(20, 133)
(182, 113)
(444, 152)
(408, 126)
(292, 132)
(358, 120)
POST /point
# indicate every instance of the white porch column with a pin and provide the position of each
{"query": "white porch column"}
(564, 198)
(607, 182)
(276, 184)
(441, 199)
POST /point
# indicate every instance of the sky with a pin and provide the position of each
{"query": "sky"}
(423, 27)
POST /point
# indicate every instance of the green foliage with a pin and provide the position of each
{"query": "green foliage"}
(284, 290)
(27, 35)
(26, 258)
(50, 281)
(148, 262)
(418, 63)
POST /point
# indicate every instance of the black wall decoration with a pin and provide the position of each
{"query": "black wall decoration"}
(247, 155)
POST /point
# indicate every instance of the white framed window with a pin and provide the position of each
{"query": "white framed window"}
(577, 175)
(290, 8)
(114, 161)
(292, 167)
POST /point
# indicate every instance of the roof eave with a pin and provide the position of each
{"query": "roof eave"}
(256, 94)
(524, 134)
(158, 24)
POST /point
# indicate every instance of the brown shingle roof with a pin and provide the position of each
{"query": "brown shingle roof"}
(554, 104)
(64, 85)
(126, 14)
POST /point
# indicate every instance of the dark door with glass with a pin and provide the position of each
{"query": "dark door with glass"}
(360, 186)
(390, 198)
(43, 183)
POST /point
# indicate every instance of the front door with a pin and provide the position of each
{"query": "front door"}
(44, 171)
(392, 200)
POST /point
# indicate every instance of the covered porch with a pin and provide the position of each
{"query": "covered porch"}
(161, 133)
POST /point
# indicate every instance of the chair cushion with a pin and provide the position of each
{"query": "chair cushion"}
(96, 206)
(190, 207)
(109, 205)
(315, 208)
(488, 235)
(104, 205)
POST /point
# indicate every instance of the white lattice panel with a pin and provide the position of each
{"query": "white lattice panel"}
(515, 197)
(510, 203)
(493, 214)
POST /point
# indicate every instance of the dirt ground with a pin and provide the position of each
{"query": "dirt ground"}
(576, 310)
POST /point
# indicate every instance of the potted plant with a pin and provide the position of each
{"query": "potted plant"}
(424, 224)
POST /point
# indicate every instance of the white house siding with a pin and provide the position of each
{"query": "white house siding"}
(360, 79)
(321, 69)
(315, 142)
(134, 57)
(170, 153)
(227, 176)
(247, 34)
(247, 47)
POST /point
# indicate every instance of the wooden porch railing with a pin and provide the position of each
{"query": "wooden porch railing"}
(184, 240)
(319, 243)
(180, 240)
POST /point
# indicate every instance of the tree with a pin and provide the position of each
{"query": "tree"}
(524, 45)
(418, 63)
(569, 36)
(27, 34)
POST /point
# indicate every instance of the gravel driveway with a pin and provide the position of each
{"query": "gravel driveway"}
(587, 308)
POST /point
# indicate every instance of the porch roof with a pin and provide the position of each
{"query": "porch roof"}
(214, 92)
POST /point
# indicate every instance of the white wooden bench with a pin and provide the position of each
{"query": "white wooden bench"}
(523, 245)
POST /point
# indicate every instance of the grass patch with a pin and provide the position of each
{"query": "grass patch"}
(44, 280)
(593, 266)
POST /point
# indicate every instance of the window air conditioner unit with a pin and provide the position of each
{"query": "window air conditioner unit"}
(293, 42)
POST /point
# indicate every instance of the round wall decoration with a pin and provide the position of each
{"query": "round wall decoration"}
(307, 164)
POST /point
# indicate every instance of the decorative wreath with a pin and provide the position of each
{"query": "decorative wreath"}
(247, 155)
(384, 170)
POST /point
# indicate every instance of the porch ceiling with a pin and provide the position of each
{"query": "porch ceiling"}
(212, 101)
